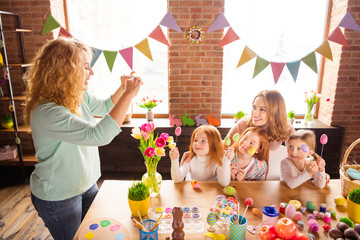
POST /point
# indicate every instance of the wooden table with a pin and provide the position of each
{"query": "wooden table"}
(112, 202)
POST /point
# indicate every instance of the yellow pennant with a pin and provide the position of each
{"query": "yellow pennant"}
(144, 48)
(246, 56)
(325, 50)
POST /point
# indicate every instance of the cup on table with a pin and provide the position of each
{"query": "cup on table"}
(238, 231)
(148, 224)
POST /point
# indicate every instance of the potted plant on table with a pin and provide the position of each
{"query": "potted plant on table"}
(291, 116)
(149, 104)
(139, 199)
(353, 204)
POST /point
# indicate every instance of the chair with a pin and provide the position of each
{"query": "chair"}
(275, 158)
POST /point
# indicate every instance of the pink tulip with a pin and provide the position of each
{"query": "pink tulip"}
(160, 142)
(149, 152)
(145, 135)
(328, 99)
(145, 127)
(165, 135)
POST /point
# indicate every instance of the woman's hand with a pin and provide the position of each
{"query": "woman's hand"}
(321, 164)
(185, 158)
(174, 153)
(132, 86)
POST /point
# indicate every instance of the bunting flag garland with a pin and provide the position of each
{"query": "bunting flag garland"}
(277, 69)
(246, 56)
(310, 60)
(158, 35)
(127, 54)
(169, 22)
(110, 57)
(50, 24)
(260, 65)
(144, 48)
(349, 22)
(219, 23)
(338, 37)
(229, 37)
(95, 55)
(325, 50)
(293, 69)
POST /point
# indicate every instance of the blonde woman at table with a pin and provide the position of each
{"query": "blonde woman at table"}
(209, 160)
(302, 163)
(65, 133)
(250, 162)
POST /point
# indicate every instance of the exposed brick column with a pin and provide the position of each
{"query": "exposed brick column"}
(195, 70)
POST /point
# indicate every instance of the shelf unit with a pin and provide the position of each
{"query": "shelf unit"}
(22, 159)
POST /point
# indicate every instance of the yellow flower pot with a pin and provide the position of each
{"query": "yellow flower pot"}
(353, 210)
(141, 206)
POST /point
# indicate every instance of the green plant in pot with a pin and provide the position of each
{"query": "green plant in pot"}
(353, 205)
(291, 116)
(139, 199)
(239, 115)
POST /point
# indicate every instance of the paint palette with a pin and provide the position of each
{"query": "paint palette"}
(191, 218)
(103, 228)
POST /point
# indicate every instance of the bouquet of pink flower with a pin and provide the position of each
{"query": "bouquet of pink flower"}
(148, 103)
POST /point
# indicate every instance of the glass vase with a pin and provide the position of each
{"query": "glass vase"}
(309, 115)
(152, 178)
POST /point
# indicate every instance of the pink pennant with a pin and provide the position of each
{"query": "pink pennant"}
(349, 22)
(338, 37)
(169, 21)
(277, 69)
(229, 37)
(127, 54)
(64, 33)
(158, 35)
(219, 23)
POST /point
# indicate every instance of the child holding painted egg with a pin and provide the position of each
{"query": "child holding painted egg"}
(209, 160)
(251, 156)
(302, 163)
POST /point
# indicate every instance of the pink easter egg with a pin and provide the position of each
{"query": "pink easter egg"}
(249, 201)
(298, 216)
(178, 131)
(324, 139)
(290, 211)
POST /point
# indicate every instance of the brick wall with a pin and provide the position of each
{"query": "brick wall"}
(341, 78)
(195, 70)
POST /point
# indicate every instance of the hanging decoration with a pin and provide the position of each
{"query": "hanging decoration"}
(195, 34)
(126, 53)
(324, 49)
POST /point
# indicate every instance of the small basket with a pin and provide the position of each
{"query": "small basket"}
(346, 184)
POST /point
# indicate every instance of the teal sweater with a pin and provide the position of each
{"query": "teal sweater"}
(67, 147)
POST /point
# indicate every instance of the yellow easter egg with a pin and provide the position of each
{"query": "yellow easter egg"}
(339, 200)
(296, 203)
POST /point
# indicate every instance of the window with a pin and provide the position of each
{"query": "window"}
(118, 25)
(278, 31)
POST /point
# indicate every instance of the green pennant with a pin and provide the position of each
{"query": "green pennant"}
(260, 65)
(310, 60)
(110, 57)
(49, 25)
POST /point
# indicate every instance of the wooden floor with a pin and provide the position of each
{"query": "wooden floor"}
(18, 218)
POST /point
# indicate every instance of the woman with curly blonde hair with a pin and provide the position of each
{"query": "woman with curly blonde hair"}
(65, 133)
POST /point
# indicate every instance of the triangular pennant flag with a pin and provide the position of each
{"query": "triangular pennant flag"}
(229, 37)
(246, 56)
(64, 33)
(349, 22)
(293, 69)
(310, 60)
(219, 23)
(95, 55)
(143, 47)
(110, 57)
(325, 50)
(169, 21)
(127, 55)
(277, 69)
(338, 37)
(260, 65)
(50, 24)
(158, 35)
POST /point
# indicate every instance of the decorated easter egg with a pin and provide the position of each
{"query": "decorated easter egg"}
(290, 211)
(354, 174)
(227, 141)
(229, 190)
(339, 201)
(178, 131)
(255, 211)
(236, 137)
(195, 184)
(249, 201)
(310, 205)
(252, 151)
(298, 216)
(211, 218)
(313, 225)
(296, 203)
(324, 139)
(305, 148)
